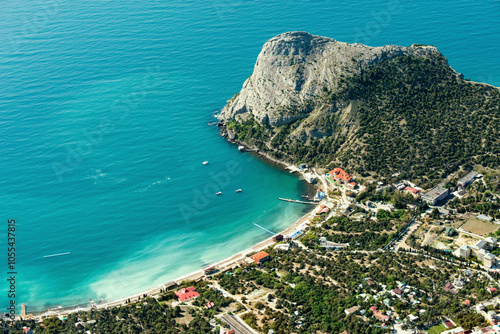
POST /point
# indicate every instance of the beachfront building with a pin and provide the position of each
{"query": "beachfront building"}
(310, 177)
(187, 294)
(467, 179)
(260, 257)
(322, 209)
(209, 270)
(435, 195)
(320, 195)
(282, 247)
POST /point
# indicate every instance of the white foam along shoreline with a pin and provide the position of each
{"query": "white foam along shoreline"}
(221, 265)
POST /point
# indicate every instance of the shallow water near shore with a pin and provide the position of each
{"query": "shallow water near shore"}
(104, 112)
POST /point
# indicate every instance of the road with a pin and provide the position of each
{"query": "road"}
(400, 234)
(237, 324)
(402, 243)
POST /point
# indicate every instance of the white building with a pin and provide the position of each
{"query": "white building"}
(464, 251)
(489, 260)
(435, 195)
(492, 242)
(481, 254)
(480, 245)
(467, 179)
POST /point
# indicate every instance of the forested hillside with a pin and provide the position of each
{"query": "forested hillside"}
(409, 113)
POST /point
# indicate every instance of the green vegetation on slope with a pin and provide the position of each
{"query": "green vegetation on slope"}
(409, 115)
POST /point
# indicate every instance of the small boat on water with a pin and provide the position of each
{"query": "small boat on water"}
(241, 148)
(219, 193)
(205, 162)
(238, 190)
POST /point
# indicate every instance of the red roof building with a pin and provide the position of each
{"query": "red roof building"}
(278, 237)
(260, 257)
(230, 332)
(187, 294)
(380, 316)
(448, 324)
(399, 292)
(340, 175)
(412, 190)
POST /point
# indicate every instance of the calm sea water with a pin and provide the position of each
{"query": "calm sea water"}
(104, 108)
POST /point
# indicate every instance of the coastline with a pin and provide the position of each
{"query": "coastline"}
(223, 265)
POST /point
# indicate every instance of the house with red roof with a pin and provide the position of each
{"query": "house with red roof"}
(412, 191)
(260, 257)
(398, 292)
(448, 324)
(380, 316)
(187, 294)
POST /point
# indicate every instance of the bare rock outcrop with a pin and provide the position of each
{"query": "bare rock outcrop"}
(294, 68)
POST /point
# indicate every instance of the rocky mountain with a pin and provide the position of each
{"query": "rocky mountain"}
(374, 109)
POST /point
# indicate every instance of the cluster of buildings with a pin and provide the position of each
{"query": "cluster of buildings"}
(404, 293)
(342, 177)
(439, 193)
(481, 250)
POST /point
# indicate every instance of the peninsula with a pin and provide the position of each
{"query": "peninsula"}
(405, 153)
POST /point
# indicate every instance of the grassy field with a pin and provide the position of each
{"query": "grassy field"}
(437, 329)
(479, 227)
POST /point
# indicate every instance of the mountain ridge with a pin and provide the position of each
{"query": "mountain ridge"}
(325, 102)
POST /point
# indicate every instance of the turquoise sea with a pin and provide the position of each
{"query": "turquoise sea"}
(104, 107)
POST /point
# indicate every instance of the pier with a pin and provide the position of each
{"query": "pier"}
(296, 201)
(265, 229)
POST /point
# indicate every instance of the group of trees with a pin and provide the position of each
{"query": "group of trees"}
(148, 316)
(479, 200)
(311, 291)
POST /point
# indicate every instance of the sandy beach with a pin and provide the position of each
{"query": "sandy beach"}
(221, 266)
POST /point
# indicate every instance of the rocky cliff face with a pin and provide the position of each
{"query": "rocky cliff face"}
(294, 68)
